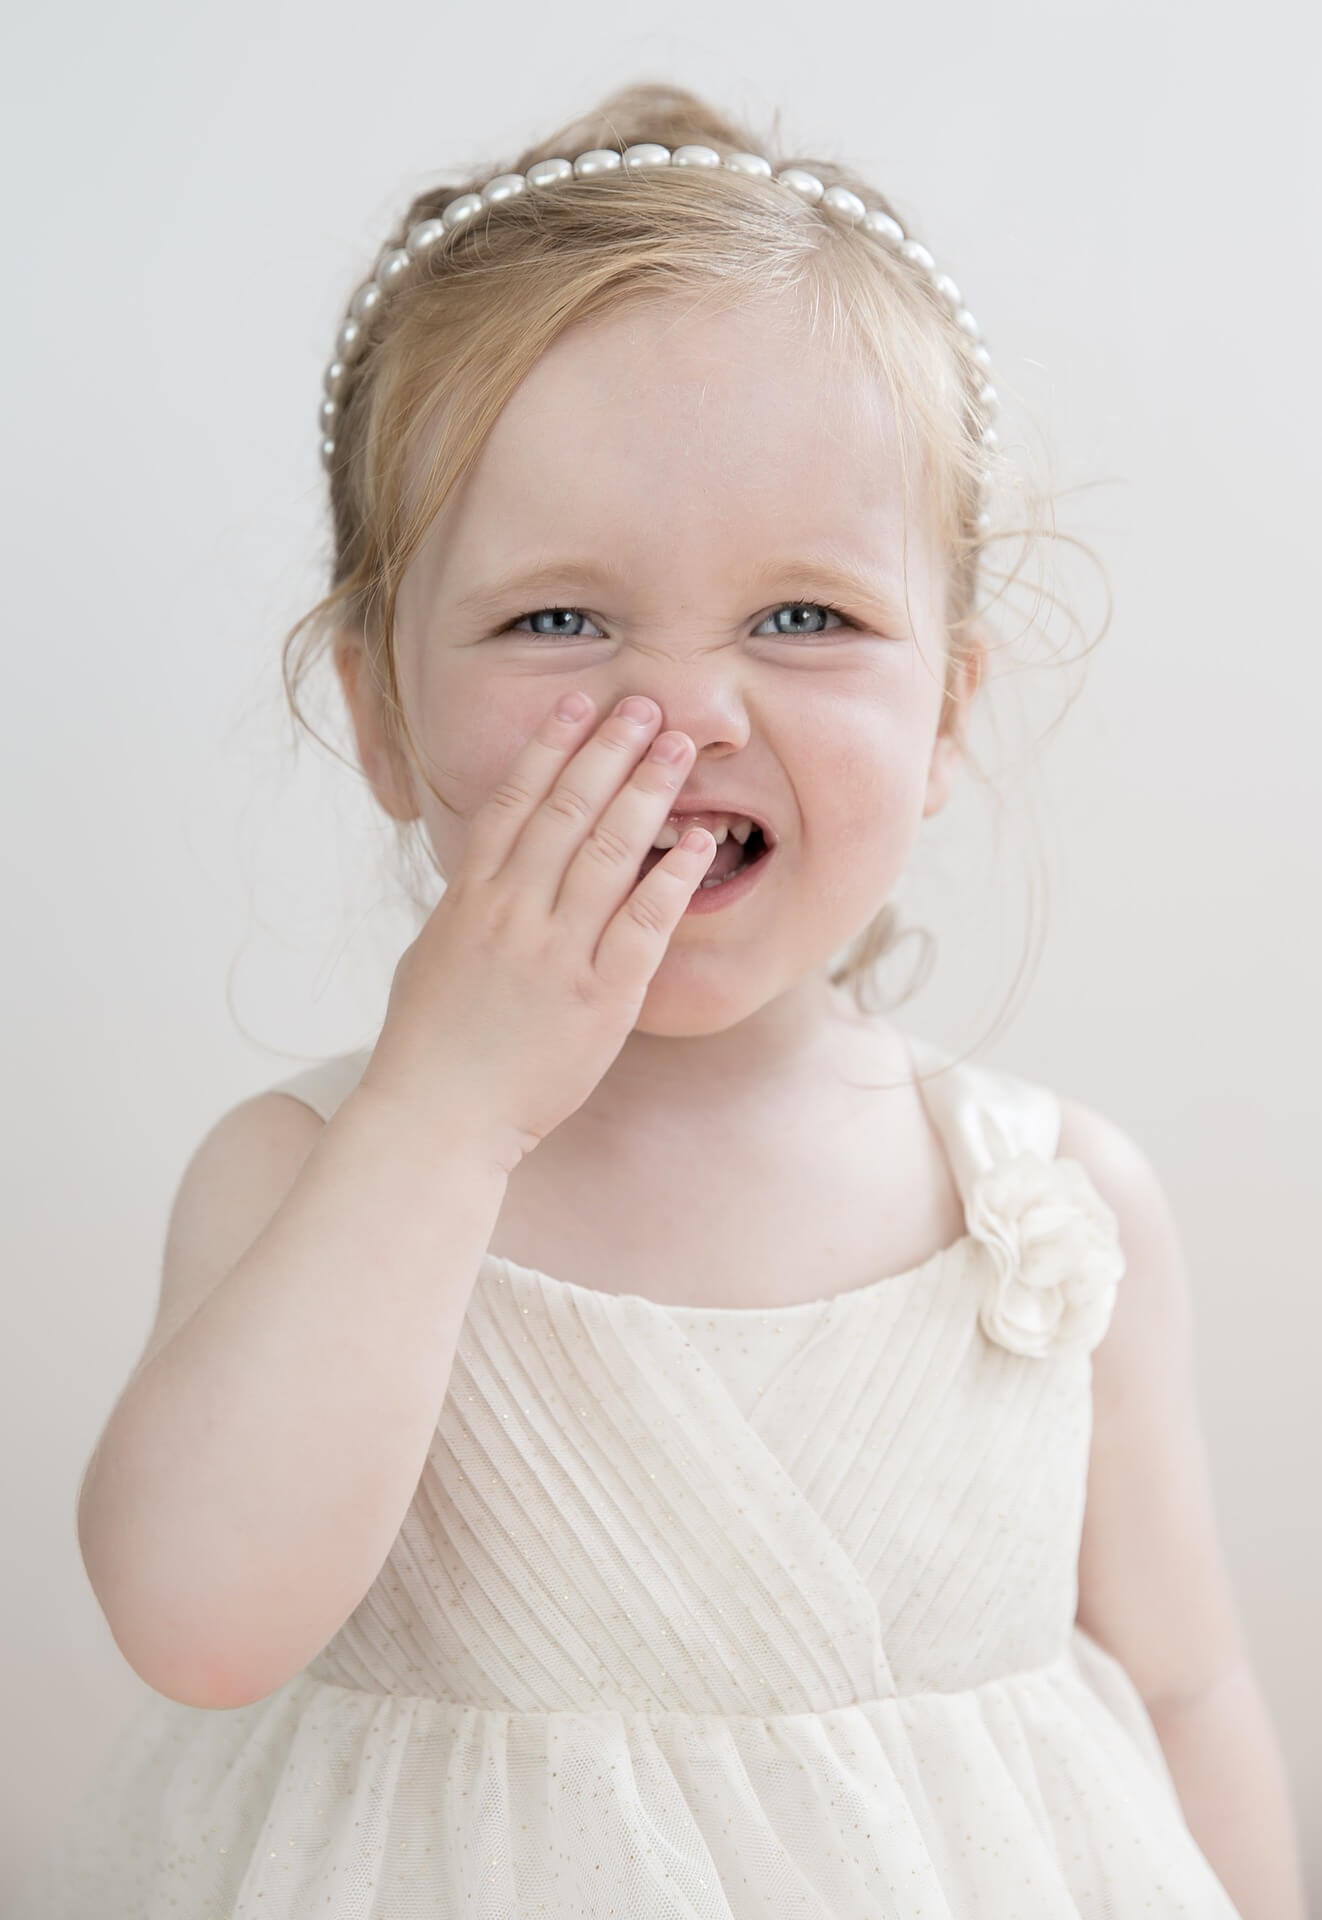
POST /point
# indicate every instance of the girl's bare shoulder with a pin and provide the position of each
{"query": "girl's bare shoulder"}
(233, 1184)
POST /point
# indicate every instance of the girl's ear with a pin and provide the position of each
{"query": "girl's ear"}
(388, 783)
(948, 747)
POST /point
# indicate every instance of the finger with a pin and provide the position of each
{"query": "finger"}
(604, 871)
(635, 941)
(496, 825)
(555, 831)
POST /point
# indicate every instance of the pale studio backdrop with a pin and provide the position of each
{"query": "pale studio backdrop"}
(1123, 193)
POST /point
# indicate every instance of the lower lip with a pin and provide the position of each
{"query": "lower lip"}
(710, 899)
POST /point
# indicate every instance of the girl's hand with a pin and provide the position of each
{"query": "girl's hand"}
(528, 976)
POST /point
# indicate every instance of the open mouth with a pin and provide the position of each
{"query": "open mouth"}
(725, 864)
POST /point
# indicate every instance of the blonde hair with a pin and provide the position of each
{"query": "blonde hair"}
(458, 341)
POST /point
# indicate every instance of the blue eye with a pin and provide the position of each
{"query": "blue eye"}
(810, 606)
(576, 613)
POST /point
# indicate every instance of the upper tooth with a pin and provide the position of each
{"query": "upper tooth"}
(740, 826)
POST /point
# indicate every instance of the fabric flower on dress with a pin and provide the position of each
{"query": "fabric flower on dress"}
(1056, 1252)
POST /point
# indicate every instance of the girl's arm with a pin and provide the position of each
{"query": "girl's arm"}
(1153, 1585)
(1227, 1768)
(257, 1467)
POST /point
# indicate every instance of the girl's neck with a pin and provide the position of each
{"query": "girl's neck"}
(805, 1047)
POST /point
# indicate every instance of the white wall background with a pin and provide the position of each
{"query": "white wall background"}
(1126, 193)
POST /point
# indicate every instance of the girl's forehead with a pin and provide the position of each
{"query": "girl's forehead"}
(727, 386)
(690, 438)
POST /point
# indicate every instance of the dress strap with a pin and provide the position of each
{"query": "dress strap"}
(327, 1083)
(984, 1115)
(1053, 1245)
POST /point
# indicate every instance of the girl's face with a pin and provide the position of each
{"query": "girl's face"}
(717, 501)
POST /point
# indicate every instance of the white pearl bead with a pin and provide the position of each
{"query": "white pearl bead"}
(334, 378)
(350, 340)
(918, 254)
(647, 154)
(328, 415)
(365, 302)
(695, 156)
(394, 268)
(989, 398)
(990, 437)
(596, 160)
(505, 186)
(882, 227)
(981, 355)
(946, 286)
(327, 452)
(425, 238)
(749, 163)
(545, 173)
(984, 521)
(461, 210)
(848, 205)
(800, 181)
(965, 321)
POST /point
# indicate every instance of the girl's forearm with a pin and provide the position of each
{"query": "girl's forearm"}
(1224, 1759)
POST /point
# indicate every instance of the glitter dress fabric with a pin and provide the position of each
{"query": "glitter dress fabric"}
(707, 1614)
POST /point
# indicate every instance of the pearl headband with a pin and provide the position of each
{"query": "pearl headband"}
(398, 263)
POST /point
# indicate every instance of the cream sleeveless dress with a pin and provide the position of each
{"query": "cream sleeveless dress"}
(701, 1613)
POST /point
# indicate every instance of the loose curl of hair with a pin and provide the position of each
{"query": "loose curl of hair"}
(456, 341)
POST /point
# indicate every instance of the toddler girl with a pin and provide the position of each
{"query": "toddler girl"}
(619, 1444)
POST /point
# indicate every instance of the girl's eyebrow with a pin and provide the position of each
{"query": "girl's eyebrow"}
(853, 582)
(521, 580)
